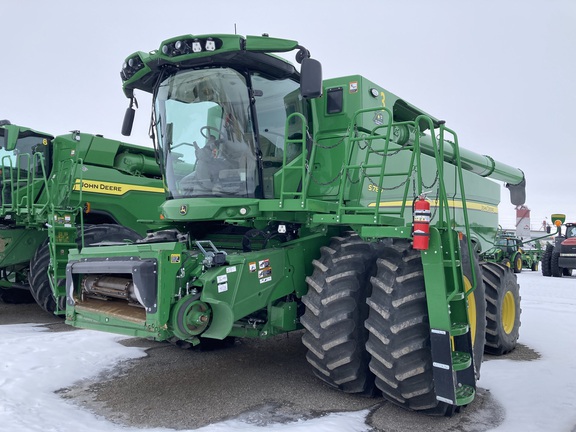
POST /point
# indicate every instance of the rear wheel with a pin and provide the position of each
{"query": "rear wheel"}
(39, 280)
(335, 313)
(547, 260)
(502, 308)
(399, 339)
(557, 271)
(518, 263)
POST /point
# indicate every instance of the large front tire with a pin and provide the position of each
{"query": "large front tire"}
(502, 308)
(399, 339)
(335, 313)
(39, 280)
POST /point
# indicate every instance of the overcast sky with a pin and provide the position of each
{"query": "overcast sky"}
(502, 73)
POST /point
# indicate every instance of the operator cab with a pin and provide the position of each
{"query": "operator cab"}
(25, 158)
(570, 230)
(221, 132)
(509, 245)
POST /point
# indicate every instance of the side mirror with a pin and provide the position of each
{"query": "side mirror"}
(10, 133)
(129, 117)
(311, 78)
(128, 121)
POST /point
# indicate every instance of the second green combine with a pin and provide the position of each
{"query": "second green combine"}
(49, 186)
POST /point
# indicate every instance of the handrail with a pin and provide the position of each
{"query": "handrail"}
(444, 208)
(295, 166)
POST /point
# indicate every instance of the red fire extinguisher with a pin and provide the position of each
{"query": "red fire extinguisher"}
(421, 225)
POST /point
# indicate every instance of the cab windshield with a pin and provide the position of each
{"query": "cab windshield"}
(205, 134)
(210, 143)
(25, 158)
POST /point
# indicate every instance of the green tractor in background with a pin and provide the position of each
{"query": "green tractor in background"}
(334, 208)
(49, 187)
(511, 251)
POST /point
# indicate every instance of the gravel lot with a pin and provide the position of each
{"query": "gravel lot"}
(258, 381)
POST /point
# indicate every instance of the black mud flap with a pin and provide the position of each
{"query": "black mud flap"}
(442, 366)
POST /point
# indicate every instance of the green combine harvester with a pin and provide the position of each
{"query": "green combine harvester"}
(49, 186)
(333, 207)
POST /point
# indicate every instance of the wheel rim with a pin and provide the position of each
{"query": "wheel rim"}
(471, 309)
(508, 312)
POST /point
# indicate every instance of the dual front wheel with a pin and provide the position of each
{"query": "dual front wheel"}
(550, 265)
(367, 321)
(336, 309)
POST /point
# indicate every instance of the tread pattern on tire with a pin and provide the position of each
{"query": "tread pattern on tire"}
(556, 270)
(498, 280)
(547, 260)
(399, 339)
(335, 313)
(40, 287)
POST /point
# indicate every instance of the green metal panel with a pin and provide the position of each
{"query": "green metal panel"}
(247, 283)
(17, 245)
(210, 209)
(265, 43)
(81, 174)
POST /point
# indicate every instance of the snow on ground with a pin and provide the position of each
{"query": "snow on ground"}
(540, 395)
(537, 395)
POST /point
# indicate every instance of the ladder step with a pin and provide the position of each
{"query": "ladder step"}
(461, 360)
(464, 394)
(457, 297)
(459, 329)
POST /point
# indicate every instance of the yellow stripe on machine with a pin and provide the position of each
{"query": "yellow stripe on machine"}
(109, 188)
(471, 205)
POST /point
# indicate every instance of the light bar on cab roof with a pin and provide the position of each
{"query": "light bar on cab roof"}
(183, 46)
(132, 65)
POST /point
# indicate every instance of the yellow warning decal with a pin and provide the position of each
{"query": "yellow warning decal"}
(451, 203)
(109, 188)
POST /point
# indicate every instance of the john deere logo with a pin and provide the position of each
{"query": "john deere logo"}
(183, 209)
